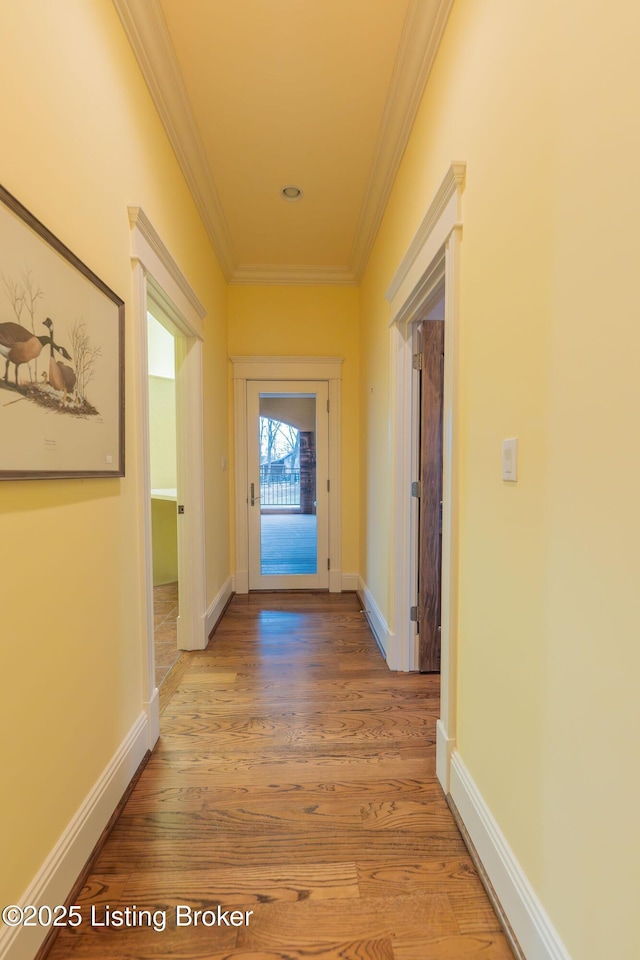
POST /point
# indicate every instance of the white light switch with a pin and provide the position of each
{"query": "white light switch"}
(510, 459)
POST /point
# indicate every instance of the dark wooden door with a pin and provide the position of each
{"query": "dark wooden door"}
(430, 526)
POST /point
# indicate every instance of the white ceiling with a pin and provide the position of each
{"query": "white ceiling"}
(256, 94)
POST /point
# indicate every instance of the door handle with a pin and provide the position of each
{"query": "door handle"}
(253, 495)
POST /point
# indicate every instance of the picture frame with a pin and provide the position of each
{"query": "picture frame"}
(62, 398)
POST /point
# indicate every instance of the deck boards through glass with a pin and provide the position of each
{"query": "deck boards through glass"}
(288, 544)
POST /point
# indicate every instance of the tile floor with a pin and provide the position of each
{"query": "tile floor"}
(165, 614)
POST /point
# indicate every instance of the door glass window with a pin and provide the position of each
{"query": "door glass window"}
(288, 527)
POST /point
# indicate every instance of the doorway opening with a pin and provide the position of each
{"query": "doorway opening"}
(161, 344)
(429, 334)
(160, 287)
(431, 262)
(277, 378)
(287, 462)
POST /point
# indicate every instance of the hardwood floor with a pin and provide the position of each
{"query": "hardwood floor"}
(294, 779)
(165, 638)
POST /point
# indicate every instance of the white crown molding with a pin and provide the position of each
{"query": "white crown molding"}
(293, 274)
(145, 27)
(421, 36)
(148, 35)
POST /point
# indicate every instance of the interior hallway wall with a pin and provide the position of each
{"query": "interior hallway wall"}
(542, 102)
(321, 321)
(81, 141)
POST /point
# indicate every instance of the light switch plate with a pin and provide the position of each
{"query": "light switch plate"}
(510, 459)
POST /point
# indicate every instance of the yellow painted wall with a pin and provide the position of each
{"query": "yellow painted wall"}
(542, 101)
(308, 321)
(164, 535)
(162, 432)
(80, 142)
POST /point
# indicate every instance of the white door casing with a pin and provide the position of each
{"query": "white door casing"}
(286, 369)
(158, 280)
(319, 389)
(432, 257)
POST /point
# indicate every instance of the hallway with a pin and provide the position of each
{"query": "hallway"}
(294, 778)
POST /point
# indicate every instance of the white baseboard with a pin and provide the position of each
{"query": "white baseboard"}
(335, 581)
(445, 745)
(376, 621)
(536, 935)
(152, 709)
(350, 581)
(338, 581)
(216, 608)
(55, 879)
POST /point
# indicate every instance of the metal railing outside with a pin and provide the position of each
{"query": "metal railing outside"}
(279, 486)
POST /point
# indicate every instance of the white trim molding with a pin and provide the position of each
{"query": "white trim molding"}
(139, 305)
(55, 879)
(445, 745)
(536, 935)
(192, 634)
(147, 32)
(152, 710)
(286, 368)
(158, 282)
(376, 621)
(217, 606)
(350, 582)
(151, 250)
(443, 215)
(423, 30)
(294, 275)
(430, 266)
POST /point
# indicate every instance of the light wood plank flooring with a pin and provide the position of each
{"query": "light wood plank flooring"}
(165, 636)
(294, 778)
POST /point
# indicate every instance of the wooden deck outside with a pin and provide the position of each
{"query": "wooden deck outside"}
(294, 779)
(288, 544)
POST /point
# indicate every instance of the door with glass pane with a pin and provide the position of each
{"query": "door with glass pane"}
(287, 460)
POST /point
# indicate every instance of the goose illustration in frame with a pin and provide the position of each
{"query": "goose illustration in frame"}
(62, 342)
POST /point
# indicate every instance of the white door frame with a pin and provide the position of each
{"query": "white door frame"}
(157, 280)
(433, 254)
(286, 368)
(310, 581)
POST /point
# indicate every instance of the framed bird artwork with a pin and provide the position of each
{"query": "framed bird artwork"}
(61, 357)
